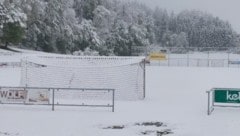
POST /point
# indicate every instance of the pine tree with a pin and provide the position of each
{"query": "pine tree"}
(12, 33)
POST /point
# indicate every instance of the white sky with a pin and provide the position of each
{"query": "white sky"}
(225, 9)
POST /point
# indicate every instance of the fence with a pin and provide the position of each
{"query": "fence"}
(9, 59)
(87, 97)
(10, 64)
(199, 60)
(223, 97)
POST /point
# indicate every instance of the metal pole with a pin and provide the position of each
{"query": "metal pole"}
(144, 79)
(168, 59)
(208, 106)
(25, 89)
(49, 96)
(26, 69)
(213, 98)
(228, 59)
(208, 60)
(53, 99)
(113, 99)
(0, 100)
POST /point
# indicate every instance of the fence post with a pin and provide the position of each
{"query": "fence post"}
(113, 99)
(25, 89)
(211, 101)
(208, 104)
(208, 59)
(228, 59)
(213, 95)
(26, 69)
(49, 96)
(144, 79)
(168, 59)
(53, 97)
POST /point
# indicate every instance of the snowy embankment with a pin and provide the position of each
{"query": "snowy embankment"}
(176, 96)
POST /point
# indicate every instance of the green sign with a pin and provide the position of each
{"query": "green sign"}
(227, 96)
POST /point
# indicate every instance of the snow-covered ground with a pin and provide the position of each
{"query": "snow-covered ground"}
(176, 96)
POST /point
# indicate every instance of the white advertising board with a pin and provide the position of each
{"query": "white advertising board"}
(24, 95)
(13, 95)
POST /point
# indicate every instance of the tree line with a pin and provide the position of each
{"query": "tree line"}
(108, 27)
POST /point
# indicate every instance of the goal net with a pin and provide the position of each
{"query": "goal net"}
(124, 74)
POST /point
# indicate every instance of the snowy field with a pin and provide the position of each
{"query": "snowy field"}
(176, 96)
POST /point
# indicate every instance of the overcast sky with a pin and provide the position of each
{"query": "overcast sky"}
(225, 9)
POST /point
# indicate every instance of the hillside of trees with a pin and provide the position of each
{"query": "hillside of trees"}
(108, 27)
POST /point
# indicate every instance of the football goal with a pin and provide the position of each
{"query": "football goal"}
(124, 74)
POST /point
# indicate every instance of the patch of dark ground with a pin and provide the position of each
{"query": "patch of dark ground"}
(146, 124)
(115, 127)
(4, 133)
(157, 124)
(157, 132)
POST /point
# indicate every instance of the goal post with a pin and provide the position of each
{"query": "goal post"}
(124, 74)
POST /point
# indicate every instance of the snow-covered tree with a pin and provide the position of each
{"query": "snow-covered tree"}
(118, 42)
(161, 22)
(112, 27)
(12, 23)
(88, 36)
(103, 20)
(87, 52)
